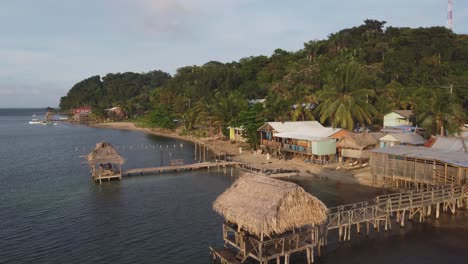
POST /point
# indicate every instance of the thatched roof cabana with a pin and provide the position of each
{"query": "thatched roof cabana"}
(262, 205)
(357, 141)
(104, 153)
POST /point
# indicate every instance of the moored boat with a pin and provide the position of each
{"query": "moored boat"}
(35, 120)
(45, 122)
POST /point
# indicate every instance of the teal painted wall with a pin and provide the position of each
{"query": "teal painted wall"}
(325, 147)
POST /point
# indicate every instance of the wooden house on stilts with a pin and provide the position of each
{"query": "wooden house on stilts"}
(305, 139)
(105, 162)
(356, 146)
(268, 219)
(410, 167)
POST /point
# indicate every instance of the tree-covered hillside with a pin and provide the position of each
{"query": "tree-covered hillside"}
(129, 90)
(354, 77)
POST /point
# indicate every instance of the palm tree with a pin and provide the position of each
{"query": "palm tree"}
(226, 105)
(200, 113)
(302, 112)
(276, 107)
(396, 92)
(439, 115)
(344, 99)
(382, 106)
(217, 111)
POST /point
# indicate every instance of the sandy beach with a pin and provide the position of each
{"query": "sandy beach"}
(254, 159)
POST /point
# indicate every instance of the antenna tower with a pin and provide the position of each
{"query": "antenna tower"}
(449, 15)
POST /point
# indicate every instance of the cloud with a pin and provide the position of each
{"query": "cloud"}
(166, 16)
(15, 93)
(24, 57)
(5, 91)
(174, 16)
(157, 16)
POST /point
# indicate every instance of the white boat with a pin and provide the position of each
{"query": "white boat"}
(35, 120)
(45, 122)
(32, 122)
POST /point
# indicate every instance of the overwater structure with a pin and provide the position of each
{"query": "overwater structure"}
(268, 219)
(407, 167)
(105, 162)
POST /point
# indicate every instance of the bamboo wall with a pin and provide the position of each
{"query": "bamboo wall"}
(416, 170)
(355, 153)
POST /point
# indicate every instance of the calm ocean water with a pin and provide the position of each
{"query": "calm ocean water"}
(51, 211)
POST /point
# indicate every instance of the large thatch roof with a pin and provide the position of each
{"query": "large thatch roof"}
(260, 204)
(358, 141)
(103, 153)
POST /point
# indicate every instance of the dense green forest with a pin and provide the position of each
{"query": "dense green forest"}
(351, 79)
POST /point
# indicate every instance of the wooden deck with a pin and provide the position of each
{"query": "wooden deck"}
(175, 168)
(242, 247)
(375, 213)
(107, 177)
(384, 207)
(100, 175)
(225, 255)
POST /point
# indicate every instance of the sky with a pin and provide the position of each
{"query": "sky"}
(47, 46)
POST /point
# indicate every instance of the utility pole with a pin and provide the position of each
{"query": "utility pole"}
(450, 15)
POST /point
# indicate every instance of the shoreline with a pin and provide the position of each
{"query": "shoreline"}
(258, 161)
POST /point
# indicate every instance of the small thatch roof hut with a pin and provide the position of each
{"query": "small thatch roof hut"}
(262, 205)
(357, 141)
(104, 153)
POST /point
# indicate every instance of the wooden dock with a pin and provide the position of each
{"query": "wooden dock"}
(353, 218)
(174, 168)
(383, 208)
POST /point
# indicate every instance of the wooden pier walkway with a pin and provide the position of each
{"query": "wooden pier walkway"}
(182, 167)
(382, 208)
(345, 220)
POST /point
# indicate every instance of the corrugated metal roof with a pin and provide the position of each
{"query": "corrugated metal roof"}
(304, 130)
(456, 158)
(404, 138)
(404, 113)
(401, 129)
(301, 127)
(451, 143)
(299, 136)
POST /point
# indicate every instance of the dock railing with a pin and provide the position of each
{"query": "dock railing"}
(383, 207)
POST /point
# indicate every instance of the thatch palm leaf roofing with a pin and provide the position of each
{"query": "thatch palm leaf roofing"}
(357, 141)
(259, 204)
(103, 153)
